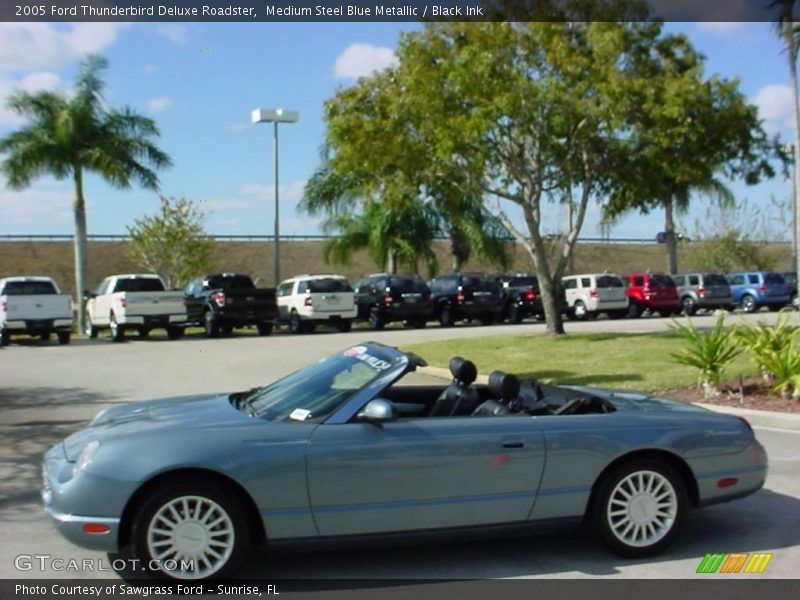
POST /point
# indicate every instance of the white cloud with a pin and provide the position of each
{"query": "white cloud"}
(721, 27)
(158, 104)
(358, 60)
(27, 46)
(33, 82)
(775, 106)
(177, 34)
(46, 206)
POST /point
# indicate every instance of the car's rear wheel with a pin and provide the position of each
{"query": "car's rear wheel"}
(514, 314)
(375, 320)
(264, 328)
(296, 324)
(174, 332)
(446, 318)
(63, 337)
(345, 325)
(635, 310)
(45, 337)
(689, 306)
(89, 329)
(579, 311)
(639, 507)
(5, 337)
(144, 332)
(748, 304)
(191, 531)
(117, 330)
(664, 313)
(210, 325)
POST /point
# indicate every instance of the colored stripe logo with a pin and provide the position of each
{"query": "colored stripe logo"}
(734, 563)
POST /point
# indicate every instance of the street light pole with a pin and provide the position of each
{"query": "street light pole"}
(275, 116)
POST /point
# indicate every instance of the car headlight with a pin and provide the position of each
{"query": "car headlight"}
(85, 457)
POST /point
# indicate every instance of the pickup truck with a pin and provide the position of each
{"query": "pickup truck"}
(218, 302)
(134, 302)
(34, 306)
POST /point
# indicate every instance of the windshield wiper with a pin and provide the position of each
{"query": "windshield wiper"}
(242, 400)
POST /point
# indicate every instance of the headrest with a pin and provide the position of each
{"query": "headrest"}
(503, 386)
(463, 370)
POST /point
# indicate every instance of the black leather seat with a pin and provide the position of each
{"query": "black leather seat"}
(460, 398)
(504, 389)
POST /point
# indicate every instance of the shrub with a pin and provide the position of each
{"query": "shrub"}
(774, 352)
(708, 351)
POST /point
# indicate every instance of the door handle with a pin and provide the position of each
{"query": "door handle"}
(513, 444)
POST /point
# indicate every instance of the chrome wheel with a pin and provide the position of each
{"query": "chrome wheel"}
(580, 310)
(749, 304)
(192, 533)
(642, 509)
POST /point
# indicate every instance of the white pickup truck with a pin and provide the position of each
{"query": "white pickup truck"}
(34, 306)
(134, 302)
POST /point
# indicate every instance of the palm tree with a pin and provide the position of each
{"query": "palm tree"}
(788, 32)
(392, 233)
(679, 202)
(67, 136)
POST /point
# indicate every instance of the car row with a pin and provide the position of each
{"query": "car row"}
(221, 302)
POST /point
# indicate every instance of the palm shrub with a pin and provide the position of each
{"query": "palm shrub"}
(708, 351)
(774, 352)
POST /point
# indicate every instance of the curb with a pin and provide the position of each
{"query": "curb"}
(757, 418)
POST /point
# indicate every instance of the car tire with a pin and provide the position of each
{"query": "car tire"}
(375, 321)
(579, 311)
(446, 318)
(144, 333)
(63, 337)
(689, 306)
(264, 328)
(635, 310)
(514, 314)
(5, 337)
(748, 304)
(344, 326)
(213, 525)
(665, 312)
(117, 330)
(210, 325)
(45, 337)
(296, 324)
(639, 507)
(226, 330)
(89, 329)
(174, 332)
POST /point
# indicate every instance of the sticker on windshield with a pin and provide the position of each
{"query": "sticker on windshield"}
(355, 351)
(300, 414)
(361, 353)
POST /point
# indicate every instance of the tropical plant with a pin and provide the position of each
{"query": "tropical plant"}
(774, 352)
(708, 351)
(69, 135)
(172, 243)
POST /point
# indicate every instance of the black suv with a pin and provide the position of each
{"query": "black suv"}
(466, 296)
(521, 296)
(382, 298)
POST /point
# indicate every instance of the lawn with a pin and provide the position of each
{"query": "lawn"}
(632, 361)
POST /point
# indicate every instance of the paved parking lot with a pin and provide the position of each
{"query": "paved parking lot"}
(49, 391)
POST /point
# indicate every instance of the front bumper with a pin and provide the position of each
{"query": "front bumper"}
(58, 495)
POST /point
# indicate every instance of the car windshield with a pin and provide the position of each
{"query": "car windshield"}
(141, 284)
(25, 288)
(317, 390)
(661, 281)
(321, 286)
(608, 281)
(714, 279)
(230, 282)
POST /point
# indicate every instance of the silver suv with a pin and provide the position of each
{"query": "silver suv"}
(702, 291)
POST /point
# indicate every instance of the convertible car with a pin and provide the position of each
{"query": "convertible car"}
(342, 451)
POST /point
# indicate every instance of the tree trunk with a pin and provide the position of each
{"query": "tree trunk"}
(672, 242)
(554, 319)
(459, 250)
(79, 209)
(391, 262)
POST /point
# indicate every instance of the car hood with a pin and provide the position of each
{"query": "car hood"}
(184, 412)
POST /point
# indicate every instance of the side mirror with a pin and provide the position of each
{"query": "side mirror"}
(377, 411)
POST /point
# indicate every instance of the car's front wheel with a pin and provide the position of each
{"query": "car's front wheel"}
(688, 306)
(191, 531)
(748, 304)
(639, 507)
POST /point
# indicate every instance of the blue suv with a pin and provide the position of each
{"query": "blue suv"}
(750, 291)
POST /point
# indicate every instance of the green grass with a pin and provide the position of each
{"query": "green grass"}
(631, 361)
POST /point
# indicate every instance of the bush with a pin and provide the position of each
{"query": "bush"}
(709, 351)
(774, 352)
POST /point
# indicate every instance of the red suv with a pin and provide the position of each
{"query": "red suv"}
(654, 292)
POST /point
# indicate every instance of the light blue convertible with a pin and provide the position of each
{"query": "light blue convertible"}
(343, 451)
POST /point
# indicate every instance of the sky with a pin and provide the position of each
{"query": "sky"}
(200, 82)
